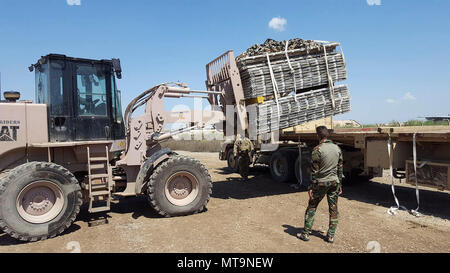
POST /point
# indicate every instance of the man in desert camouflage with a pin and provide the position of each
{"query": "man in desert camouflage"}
(326, 179)
(242, 150)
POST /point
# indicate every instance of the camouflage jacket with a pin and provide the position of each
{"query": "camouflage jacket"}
(327, 163)
(242, 146)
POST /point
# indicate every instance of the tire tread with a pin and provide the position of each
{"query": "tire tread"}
(7, 180)
(159, 171)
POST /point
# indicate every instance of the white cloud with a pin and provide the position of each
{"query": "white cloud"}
(73, 2)
(374, 2)
(278, 23)
(409, 96)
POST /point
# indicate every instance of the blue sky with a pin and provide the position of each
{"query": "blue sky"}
(397, 52)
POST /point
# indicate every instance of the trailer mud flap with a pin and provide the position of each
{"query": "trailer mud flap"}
(147, 167)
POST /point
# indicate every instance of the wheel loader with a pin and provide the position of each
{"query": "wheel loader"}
(73, 146)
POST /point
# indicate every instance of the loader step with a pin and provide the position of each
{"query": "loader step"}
(99, 186)
(97, 166)
(94, 159)
(101, 175)
(99, 209)
(99, 189)
(99, 193)
(98, 220)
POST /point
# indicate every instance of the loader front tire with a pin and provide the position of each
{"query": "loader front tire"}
(38, 200)
(179, 186)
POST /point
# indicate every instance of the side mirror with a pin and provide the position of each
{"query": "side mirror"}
(117, 68)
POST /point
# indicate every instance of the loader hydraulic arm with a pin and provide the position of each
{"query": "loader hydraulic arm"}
(143, 133)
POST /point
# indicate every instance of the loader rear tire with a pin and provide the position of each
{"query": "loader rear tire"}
(38, 200)
(179, 186)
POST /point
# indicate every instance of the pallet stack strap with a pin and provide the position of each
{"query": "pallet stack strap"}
(293, 82)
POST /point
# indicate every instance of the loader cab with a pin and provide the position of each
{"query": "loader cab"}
(82, 98)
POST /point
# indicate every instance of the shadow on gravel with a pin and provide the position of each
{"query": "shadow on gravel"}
(138, 206)
(259, 184)
(224, 171)
(6, 240)
(258, 169)
(294, 231)
(432, 203)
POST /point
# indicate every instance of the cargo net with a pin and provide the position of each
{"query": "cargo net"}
(298, 109)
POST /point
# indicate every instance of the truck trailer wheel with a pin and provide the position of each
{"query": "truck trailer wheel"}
(282, 166)
(306, 172)
(179, 186)
(232, 161)
(38, 200)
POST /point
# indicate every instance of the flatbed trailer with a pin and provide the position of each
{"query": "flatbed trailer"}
(366, 152)
(365, 149)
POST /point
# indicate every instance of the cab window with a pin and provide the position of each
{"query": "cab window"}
(60, 101)
(41, 84)
(91, 89)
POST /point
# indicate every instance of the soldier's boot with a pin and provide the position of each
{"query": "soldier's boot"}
(330, 239)
(304, 237)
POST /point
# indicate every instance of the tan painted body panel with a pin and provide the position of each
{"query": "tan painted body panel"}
(378, 156)
(21, 125)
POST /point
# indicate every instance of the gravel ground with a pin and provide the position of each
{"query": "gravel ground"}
(261, 216)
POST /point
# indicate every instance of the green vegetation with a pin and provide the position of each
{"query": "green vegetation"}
(425, 123)
(412, 122)
(395, 123)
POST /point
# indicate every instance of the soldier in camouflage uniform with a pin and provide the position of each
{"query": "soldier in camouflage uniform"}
(242, 151)
(326, 179)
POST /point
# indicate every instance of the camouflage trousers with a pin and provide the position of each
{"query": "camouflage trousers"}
(243, 162)
(331, 190)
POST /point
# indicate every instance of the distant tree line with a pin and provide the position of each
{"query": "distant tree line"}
(395, 123)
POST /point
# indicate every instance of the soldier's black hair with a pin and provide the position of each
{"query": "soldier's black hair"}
(322, 132)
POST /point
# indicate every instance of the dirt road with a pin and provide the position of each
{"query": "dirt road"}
(261, 216)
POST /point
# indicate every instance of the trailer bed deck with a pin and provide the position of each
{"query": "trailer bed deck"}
(350, 136)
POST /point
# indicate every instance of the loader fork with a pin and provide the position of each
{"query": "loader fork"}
(100, 178)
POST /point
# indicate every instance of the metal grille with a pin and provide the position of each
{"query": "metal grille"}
(308, 72)
(295, 110)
